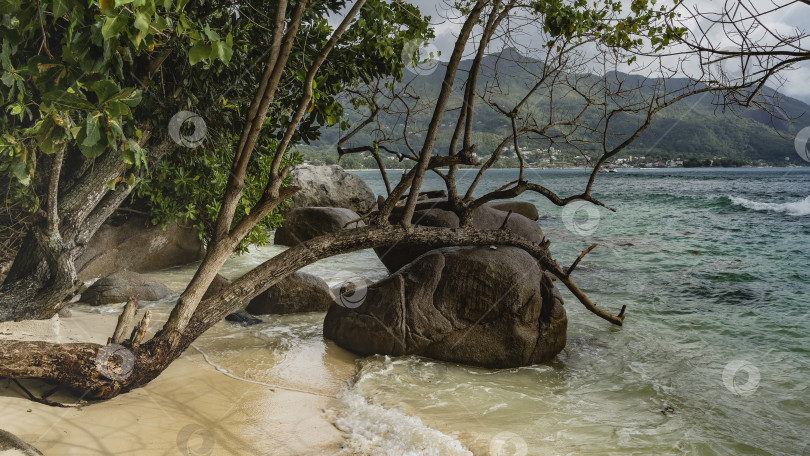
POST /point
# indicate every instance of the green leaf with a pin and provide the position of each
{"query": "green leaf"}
(117, 109)
(222, 51)
(7, 78)
(65, 100)
(160, 23)
(115, 127)
(128, 155)
(61, 7)
(198, 52)
(130, 97)
(92, 130)
(111, 183)
(105, 89)
(20, 170)
(50, 137)
(113, 26)
(141, 21)
(131, 180)
(211, 34)
(93, 151)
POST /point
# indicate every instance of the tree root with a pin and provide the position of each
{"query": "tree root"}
(44, 398)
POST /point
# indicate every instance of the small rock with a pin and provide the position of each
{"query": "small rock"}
(296, 293)
(241, 316)
(65, 313)
(122, 285)
(10, 442)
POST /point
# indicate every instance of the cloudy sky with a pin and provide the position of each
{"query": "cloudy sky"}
(794, 17)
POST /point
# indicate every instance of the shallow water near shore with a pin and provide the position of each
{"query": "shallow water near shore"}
(714, 356)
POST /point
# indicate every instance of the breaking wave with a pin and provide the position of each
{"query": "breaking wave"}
(797, 208)
(377, 431)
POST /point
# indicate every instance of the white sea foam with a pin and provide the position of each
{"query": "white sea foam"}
(374, 430)
(797, 208)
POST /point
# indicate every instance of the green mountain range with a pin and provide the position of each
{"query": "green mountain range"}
(695, 130)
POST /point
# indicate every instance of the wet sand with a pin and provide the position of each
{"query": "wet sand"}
(192, 408)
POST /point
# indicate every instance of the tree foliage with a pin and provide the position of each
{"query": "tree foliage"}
(70, 73)
(96, 78)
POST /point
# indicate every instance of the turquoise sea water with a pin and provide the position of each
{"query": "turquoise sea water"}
(714, 357)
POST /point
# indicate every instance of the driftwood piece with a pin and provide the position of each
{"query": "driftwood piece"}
(140, 331)
(124, 321)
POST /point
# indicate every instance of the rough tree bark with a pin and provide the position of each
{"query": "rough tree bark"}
(103, 372)
(42, 277)
(97, 371)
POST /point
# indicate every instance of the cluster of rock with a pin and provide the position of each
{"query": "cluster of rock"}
(483, 306)
(486, 306)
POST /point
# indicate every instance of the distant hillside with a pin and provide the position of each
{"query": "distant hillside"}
(694, 129)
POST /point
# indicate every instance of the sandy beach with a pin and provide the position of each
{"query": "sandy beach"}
(192, 408)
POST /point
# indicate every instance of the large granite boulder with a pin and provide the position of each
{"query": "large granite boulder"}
(523, 208)
(12, 445)
(296, 293)
(304, 223)
(436, 213)
(476, 306)
(330, 186)
(121, 286)
(138, 246)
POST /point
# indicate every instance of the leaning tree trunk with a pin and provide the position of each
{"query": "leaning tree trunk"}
(103, 372)
(96, 371)
(42, 277)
